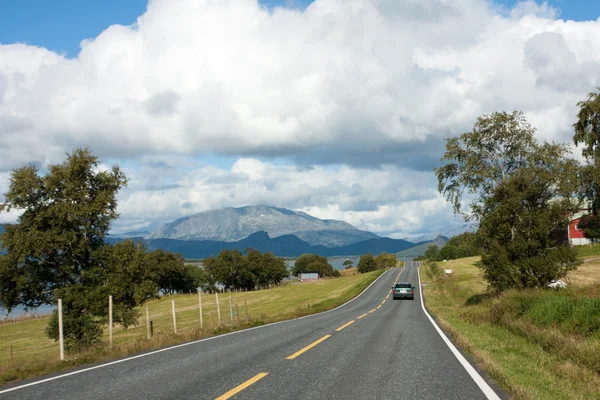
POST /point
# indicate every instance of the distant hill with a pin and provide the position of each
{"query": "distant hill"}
(451, 233)
(2, 230)
(420, 248)
(134, 234)
(234, 224)
(282, 246)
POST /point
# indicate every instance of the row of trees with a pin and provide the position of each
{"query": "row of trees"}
(237, 271)
(368, 262)
(523, 192)
(464, 245)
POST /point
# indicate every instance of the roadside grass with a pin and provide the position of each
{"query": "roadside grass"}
(589, 250)
(34, 354)
(537, 344)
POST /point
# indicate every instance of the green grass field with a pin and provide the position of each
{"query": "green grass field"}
(35, 354)
(511, 336)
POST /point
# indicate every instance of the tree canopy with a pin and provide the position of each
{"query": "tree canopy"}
(522, 194)
(249, 271)
(313, 263)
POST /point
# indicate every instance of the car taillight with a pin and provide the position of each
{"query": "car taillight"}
(411, 291)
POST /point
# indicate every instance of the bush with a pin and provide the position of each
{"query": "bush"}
(366, 263)
(313, 263)
(566, 310)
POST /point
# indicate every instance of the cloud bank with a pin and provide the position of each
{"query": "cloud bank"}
(358, 92)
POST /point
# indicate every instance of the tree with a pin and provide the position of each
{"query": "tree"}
(366, 263)
(312, 263)
(244, 271)
(51, 252)
(521, 195)
(268, 269)
(348, 264)
(385, 260)
(230, 268)
(587, 133)
(171, 272)
(432, 253)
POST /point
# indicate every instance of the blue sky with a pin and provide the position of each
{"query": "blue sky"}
(60, 25)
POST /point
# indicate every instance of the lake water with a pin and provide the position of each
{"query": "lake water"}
(19, 311)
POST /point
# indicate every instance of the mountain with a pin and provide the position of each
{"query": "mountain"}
(451, 233)
(128, 235)
(282, 246)
(234, 224)
(420, 248)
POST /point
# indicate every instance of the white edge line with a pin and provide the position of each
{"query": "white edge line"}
(185, 344)
(485, 388)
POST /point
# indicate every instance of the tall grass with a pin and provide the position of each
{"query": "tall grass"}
(35, 354)
(538, 343)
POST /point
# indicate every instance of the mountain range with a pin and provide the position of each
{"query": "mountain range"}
(234, 224)
(283, 246)
(420, 248)
(284, 232)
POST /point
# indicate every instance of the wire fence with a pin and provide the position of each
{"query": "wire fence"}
(23, 340)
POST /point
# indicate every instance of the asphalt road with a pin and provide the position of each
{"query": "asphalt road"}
(391, 351)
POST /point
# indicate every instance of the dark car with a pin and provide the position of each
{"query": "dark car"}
(403, 290)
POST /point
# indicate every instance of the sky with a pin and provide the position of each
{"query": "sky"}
(336, 108)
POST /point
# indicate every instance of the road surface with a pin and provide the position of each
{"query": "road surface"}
(371, 348)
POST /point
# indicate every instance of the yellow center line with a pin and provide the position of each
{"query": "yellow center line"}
(362, 316)
(344, 326)
(387, 297)
(378, 307)
(383, 302)
(243, 386)
(373, 310)
(310, 346)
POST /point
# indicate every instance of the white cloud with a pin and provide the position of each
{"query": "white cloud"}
(362, 83)
(387, 200)
(230, 77)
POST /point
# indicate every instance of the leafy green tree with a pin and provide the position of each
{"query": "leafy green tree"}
(385, 260)
(268, 269)
(52, 251)
(366, 263)
(348, 264)
(171, 272)
(432, 253)
(587, 133)
(521, 194)
(230, 268)
(312, 263)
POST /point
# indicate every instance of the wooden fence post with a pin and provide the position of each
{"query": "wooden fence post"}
(174, 318)
(218, 308)
(200, 307)
(61, 341)
(231, 310)
(237, 313)
(110, 321)
(147, 322)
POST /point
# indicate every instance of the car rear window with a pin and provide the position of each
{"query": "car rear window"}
(403, 285)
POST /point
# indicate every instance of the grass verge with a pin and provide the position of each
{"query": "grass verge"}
(34, 354)
(537, 344)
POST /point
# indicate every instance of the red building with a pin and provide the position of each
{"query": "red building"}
(575, 235)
